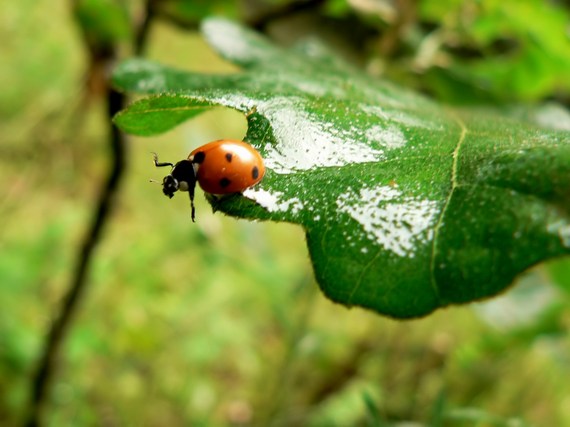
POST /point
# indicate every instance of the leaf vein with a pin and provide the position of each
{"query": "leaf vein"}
(454, 185)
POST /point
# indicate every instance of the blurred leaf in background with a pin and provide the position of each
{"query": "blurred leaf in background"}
(496, 50)
(468, 52)
(192, 12)
(103, 21)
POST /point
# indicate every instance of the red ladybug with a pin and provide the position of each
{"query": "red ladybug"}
(220, 167)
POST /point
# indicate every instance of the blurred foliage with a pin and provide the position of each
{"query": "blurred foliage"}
(497, 50)
(219, 323)
(468, 51)
(193, 11)
(106, 21)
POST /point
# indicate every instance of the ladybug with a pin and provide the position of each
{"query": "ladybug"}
(220, 167)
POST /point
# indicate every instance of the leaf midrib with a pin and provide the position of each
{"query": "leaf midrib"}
(454, 184)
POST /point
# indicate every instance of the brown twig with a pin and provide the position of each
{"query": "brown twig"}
(42, 379)
(261, 21)
(59, 328)
(258, 21)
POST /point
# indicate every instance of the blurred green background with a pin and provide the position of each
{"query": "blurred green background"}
(220, 322)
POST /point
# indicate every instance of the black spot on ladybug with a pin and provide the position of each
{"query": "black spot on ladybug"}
(224, 182)
(255, 172)
(229, 157)
(199, 157)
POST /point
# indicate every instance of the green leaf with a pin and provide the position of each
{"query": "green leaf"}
(523, 49)
(193, 11)
(103, 21)
(407, 205)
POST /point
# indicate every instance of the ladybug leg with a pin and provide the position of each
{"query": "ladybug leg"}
(191, 194)
(160, 165)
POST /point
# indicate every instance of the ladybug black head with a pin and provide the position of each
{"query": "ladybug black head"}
(169, 185)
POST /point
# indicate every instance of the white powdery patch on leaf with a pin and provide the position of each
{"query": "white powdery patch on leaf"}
(561, 228)
(154, 83)
(553, 116)
(274, 202)
(232, 40)
(306, 142)
(313, 86)
(236, 100)
(154, 79)
(408, 119)
(140, 66)
(388, 136)
(396, 223)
